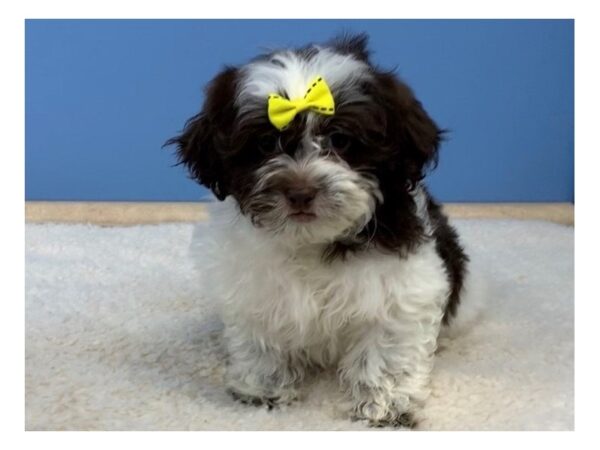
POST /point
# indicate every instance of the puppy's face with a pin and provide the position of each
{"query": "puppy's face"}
(323, 177)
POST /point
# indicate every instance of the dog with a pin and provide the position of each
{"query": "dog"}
(327, 249)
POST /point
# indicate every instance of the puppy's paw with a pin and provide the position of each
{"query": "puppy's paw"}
(380, 416)
(403, 420)
(264, 400)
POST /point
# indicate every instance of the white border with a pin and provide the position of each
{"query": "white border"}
(313, 9)
(12, 120)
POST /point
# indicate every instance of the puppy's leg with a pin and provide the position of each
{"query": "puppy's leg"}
(387, 367)
(258, 373)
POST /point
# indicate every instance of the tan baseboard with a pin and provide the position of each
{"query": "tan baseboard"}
(563, 213)
(135, 213)
(114, 213)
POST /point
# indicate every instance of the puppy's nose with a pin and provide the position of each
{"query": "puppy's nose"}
(301, 198)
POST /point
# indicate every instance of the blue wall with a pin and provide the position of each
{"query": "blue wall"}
(102, 96)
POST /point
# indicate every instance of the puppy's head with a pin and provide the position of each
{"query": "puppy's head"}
(323, 177)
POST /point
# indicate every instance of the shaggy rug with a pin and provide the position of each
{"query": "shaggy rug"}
(118, 337)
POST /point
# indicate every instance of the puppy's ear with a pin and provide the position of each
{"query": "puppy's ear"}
(415, 135)
(204, 139)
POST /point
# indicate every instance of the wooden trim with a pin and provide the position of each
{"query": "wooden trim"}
(136, 213)
(563, 213)
(114, 213)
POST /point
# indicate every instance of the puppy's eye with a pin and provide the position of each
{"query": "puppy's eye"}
(267, 144)
(340, 141)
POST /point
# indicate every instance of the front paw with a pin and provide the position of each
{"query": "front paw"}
(246, 399)
(378, 415)
(270, 401)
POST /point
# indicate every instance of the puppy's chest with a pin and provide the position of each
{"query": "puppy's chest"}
(294, 296)
(306, 291)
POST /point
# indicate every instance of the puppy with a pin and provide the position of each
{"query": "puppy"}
(328, 249)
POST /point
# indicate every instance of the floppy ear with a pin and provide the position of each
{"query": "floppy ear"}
(204, 139)
(415, 135)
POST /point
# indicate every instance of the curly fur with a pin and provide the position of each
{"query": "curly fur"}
(366, 278)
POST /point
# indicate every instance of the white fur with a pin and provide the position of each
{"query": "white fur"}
(291, 75)
(374, 315)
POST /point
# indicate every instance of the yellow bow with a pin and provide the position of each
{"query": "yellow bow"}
(318, 98)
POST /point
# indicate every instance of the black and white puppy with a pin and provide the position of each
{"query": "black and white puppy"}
(327, 249)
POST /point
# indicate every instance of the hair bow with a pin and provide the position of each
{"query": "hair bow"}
(318, 99)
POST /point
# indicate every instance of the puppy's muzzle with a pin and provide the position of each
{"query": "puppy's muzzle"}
(300, 198)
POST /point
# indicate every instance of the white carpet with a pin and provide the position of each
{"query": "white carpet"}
(119, 338)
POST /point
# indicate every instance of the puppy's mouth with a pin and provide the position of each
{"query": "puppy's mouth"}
(302, 216)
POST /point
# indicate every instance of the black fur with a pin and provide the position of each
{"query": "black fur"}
(407, 142)
(205, 135)
(352, 44)
(454, 257)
